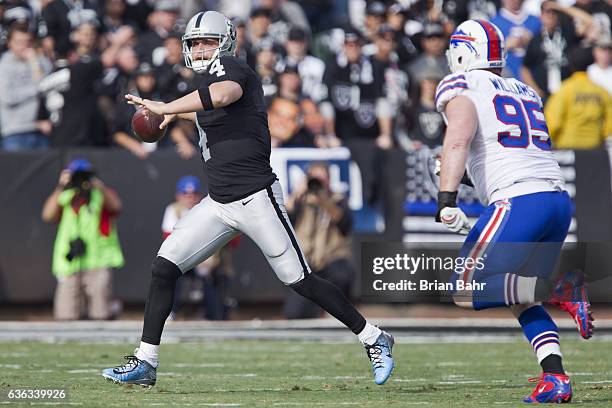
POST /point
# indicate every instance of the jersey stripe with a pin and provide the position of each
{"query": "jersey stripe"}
(494, 42)
(484, 239)
(287, 227)
(453, 79)
(449, 87)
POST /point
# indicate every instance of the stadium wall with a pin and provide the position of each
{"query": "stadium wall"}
(147, 186)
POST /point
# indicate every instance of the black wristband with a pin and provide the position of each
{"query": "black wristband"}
(206, 99)
(446, 199)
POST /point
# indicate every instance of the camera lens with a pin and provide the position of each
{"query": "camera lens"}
(314, 185)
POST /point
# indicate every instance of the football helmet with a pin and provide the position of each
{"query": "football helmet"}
(209, 24)
(476, 44)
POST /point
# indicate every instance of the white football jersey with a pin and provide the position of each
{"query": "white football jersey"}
(511, 144)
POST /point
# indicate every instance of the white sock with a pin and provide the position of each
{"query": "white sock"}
(369, 334)
(148, 353)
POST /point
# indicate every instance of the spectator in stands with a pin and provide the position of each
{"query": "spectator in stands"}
(70, 98)
(432, 60)
(85, 39)
(427, 125)
(423, 12)
(173, 78)
(600, 71)
(396, 80)
(356, 107)
(259, 23)
(323, 224)
(545, 64)
(596, 20)
(61, 17)
(584, 25)
(314, 123)
(460, 10)
(138, 11)
(290, 84)
(114, 82)
(244, 49)
(375, 15)
(405, 48)
(284, 119)
(266, 59)
(145, 86)
(579, 115)
(518, 28)
(114, 16)
(310, 68)
(21, 70)
(18, 13)
(214, 273)
(162, 22)
(86, 246)
(284, 15)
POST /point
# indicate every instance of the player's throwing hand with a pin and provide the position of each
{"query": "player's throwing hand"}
(153, 106)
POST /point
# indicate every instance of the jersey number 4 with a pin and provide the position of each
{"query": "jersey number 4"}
(527, 116)
(217, 68)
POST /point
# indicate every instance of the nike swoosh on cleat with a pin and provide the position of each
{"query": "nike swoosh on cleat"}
(247, 201)
(542, 388)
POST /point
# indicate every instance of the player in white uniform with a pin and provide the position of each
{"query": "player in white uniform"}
(497, 130)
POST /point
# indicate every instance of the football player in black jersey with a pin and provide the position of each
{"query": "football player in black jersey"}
(245, 197)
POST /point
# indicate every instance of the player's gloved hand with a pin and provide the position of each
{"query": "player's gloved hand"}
(450, 215)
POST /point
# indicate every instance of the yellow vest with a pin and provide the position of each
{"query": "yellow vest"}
(579, 115)
(100, 251)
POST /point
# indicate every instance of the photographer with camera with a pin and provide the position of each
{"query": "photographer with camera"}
(323, 225)
(86, 246)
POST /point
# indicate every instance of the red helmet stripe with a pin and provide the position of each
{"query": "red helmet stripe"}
(494, 42)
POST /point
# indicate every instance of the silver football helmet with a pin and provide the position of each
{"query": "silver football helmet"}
(210, 24)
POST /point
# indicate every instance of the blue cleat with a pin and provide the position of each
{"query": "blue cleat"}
(135, 371)
(551, 388)
(379, 354)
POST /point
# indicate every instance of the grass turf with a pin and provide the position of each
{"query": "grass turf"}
(309, 374)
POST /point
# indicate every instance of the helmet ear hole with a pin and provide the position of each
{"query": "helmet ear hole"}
(460, 60)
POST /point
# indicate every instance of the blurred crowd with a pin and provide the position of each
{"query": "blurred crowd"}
(332, 71)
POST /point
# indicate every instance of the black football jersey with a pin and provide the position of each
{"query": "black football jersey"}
(235, 139)
(353, 90)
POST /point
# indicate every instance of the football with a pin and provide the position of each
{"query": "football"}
(146, 125)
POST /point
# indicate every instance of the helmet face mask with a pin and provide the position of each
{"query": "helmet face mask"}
(197, 58)
(476, 44)
(208, 25)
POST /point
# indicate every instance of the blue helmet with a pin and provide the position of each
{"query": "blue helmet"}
(80, 165)
(188, 184)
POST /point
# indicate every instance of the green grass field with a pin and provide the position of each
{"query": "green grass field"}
(309, 374)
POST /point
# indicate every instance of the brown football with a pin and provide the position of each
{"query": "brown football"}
(146, 125)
